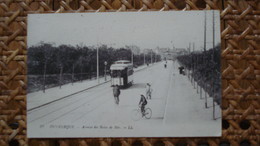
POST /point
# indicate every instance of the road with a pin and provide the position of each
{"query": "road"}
(93, 113)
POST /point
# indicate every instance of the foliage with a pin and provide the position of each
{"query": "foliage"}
(205, 68)
(81, 59)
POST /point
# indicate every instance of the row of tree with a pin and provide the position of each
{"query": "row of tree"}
(205, 70)
(50, 65)
(50, 59)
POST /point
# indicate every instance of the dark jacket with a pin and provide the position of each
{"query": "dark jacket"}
(116, 91)
(143, 101)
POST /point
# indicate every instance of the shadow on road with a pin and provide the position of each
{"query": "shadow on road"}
(138, 85)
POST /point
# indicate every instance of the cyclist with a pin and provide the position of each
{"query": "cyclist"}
(148, 91)
(142, 104)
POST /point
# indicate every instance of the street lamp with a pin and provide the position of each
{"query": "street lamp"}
(132, 57)
(105, 63)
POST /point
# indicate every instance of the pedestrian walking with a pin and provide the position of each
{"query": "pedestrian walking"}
(148, 91)
(181, 68)
(116, 92)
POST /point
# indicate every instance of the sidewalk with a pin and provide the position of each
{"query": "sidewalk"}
(187, 111)
(39, 98)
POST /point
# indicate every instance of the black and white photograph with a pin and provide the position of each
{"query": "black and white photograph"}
(124, 74)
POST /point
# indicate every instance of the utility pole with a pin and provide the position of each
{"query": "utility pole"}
(189, 74)
(194, 63)
(44, 74)
(151, 56)
(205, 87)
(205, 23)
(97, 64)
(132, 56)
(201, 78)
(60, 80)
(72, 75)
(213, 33)
(213, 29)
(144, 58)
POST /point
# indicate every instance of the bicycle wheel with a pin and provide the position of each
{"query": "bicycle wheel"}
(148, 113)
(136, 115)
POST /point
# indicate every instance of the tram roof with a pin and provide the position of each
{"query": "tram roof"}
(122, 62)
(120, 65)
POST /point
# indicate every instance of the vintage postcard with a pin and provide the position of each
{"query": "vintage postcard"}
(124, 74)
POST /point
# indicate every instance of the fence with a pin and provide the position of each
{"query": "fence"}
(41, 82)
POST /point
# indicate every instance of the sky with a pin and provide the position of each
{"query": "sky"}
(147, 30)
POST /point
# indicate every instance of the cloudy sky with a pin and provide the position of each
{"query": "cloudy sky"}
(117, 29)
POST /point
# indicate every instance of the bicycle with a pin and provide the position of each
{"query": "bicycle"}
(137, 114)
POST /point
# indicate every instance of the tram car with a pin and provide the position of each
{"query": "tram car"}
(122, 73)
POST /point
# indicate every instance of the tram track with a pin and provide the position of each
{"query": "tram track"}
(96, 98)
(77, 103)
(70, 95)
(28, 110)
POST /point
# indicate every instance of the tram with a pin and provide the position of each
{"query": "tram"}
(122, 73)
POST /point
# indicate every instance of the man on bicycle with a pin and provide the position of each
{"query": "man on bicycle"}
(148, 91)
(142, 104)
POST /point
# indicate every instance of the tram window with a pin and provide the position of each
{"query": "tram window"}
(115, 73)
(130, 72)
